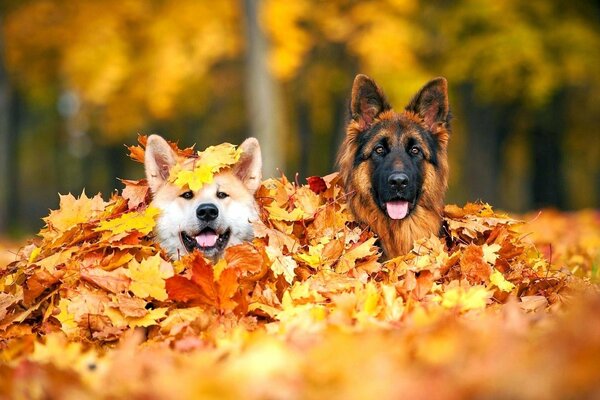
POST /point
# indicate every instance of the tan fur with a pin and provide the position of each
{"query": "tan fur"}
(396, 236)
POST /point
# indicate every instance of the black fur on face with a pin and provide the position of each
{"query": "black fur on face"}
(397, 151)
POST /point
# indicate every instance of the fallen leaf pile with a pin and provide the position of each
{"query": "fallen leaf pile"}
(93, 309)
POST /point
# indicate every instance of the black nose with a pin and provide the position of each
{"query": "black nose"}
(207, 212)
(398, 180)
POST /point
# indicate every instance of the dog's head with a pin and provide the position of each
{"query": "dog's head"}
(218, 215)
(400, 157)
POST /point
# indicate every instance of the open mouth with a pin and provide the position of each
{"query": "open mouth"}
(397, 209)
(207, 240)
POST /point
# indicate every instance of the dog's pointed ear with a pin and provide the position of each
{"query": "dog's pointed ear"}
(159, 159)
(431, 103)
(367, 101)
(249, 166)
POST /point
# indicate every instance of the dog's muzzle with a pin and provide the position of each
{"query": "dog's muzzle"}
(398, 200)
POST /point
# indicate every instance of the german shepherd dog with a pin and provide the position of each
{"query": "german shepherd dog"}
(218, 215)
(394, 165)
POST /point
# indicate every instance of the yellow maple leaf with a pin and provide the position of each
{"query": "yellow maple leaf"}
(281, 264)
(73, 211)
(314, 256)
(148, 277)
(142, 222)
(150, 318)
(179, 317)
(368, 301)
(498, 280)
(66, 319)
(220, 156)
(279, 214)
(471, 298)
(194, 179)
(348, 260)
(209, 162)
(394, 304)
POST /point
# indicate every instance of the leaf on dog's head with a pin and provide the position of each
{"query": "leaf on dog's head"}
(209, 162)
(221, 156)
(193, 179)
(138, 152)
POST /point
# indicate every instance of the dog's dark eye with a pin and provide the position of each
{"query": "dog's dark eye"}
(187, 195)
(379, 150)
(415, 150)
(222, 195)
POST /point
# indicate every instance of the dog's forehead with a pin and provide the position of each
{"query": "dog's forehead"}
(208, 191)
(397, 130)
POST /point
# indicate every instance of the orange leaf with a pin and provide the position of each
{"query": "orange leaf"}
(227, 288)
(246, 258)
(476, 270)
(203, 276)
(136, 193)
(184, 290)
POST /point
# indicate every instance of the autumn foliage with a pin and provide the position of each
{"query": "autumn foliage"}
(93, 309)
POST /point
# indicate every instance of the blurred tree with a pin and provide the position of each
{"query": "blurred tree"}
(126, 64)
(318, 47)
(262, 102)
(85, 76)
(516, 65)
(7, 143)
(95, 73)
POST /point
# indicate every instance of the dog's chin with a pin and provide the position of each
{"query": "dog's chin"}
(208, 241)
(398, 208)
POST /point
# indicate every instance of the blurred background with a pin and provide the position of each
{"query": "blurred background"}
(79, 79)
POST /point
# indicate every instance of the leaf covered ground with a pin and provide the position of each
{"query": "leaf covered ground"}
(494, 308)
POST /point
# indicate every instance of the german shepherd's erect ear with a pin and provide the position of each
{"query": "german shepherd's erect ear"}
(159, 159)
(367, 101)
(431, 105)
(249, 167)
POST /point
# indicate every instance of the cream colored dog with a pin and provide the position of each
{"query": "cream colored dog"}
(218, 215)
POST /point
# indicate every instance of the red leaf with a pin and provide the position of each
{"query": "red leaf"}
(316, 184)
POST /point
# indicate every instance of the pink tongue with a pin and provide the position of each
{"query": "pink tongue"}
(206, 239)
(397, 209)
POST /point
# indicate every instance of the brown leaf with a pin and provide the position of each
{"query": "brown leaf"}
(133, 307)
(38, 283)
(115, 281)
(475, 269)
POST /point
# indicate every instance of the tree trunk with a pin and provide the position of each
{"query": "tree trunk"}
(304, 136)
(8, 147)
(547, 136)
(261, 93)
(486, 130)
